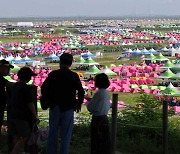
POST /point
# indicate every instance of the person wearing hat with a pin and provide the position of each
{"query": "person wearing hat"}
(4, 71)
(23, 113)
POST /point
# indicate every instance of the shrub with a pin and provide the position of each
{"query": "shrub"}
(140, 126)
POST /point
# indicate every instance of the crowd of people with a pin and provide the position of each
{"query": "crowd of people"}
(62, 93)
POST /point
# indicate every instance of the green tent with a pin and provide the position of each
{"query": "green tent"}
(168, 65)
(143, 86)
(166, 75)
(30, 82)
(112, 65)
(176, 76)
(176, 68)
(173, 61)
(153, 87)
(150, 57)
(93, 70)
(177, 94)
(9, 79)
(170, 90)
(16, 68)
(90, 61)
(161, 87)
(134, 86)
(108, 72)
(38, 40)
(80, 61)
(160, 57)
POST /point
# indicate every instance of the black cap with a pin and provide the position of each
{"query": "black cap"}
(4, 62)
(25, 73)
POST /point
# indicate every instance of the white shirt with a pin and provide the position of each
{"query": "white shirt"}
(100, 103)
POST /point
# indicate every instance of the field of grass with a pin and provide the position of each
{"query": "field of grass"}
(18, 39)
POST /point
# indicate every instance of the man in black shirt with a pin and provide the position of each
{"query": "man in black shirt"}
(60, 89)
(4, 71)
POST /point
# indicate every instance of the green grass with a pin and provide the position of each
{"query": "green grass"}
(111, 58)
(128, 98)
(18, 39)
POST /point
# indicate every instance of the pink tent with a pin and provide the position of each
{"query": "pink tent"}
(125, 89)
(154, 75)
(146, 90)
(155, 91)
(150, 81)
(121, 104)
(176, 109)
(135, 90)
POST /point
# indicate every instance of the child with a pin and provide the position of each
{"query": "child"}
(23, 112)
(99, 106)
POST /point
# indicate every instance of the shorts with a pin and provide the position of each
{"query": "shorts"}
(20, 128)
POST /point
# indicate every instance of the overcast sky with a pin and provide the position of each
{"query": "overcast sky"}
(64, 8)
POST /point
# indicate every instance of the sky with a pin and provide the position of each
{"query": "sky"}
(90, 8)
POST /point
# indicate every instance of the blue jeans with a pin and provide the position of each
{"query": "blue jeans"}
(64, 120)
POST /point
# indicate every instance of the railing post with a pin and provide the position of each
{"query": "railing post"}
(165, 127)
(114, 123)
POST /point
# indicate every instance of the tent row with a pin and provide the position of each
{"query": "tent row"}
(18, 59)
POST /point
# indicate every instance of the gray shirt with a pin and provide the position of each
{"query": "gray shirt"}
(100, 103)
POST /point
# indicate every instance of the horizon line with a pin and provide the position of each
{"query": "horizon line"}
(124, 16)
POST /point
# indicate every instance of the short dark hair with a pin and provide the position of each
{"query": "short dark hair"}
(25, 73)
(66, 59)
(102, 81)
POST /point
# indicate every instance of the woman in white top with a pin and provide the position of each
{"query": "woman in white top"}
(99, 106)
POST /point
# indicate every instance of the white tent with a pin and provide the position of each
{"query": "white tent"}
(130, 43)
(99, 54)
(172, 39)
(124, 43)
(165, 49)
(129, 51)
(27, 59)
(170, 86)
(17, 58)
(144, 50)
(87, 55)
(152, 50)
(10, 58)
(137, 51)
(174, 51)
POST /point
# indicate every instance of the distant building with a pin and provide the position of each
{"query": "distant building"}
(25, 24)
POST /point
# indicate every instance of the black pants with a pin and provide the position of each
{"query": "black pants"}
(2, 109)
(100, 136)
